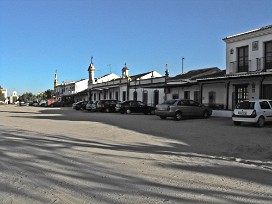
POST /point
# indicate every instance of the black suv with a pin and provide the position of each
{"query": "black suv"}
(106, 105)
(134, 107)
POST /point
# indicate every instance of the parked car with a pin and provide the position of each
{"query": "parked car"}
(42, 103)
(106, 105)
(55, 103)
(134, 107)
(179, 108)
(253, 111)
(91, 105)
(80, 105)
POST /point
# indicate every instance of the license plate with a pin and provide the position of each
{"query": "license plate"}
(241, 113)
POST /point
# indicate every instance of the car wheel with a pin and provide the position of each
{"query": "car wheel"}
(178, 116)
(260, 122)
(107, 110)
(236, 123)
(206, 114)
(163, 117)
(128, 111)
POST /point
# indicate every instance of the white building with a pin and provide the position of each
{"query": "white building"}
(125, 87)
(14, 97)
(71, 91)
(248, 70)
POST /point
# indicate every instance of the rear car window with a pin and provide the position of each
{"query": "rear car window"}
(169, 102)
(245, 105)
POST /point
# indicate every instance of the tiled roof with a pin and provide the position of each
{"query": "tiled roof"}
(221, 73)
(139, 75)
(195, 74)
(251, 31)
(238, 75)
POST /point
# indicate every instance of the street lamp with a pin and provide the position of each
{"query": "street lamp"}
(182, 64)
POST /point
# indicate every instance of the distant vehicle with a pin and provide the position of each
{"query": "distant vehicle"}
(43, 103)
(134, 107)
(253, 111)
(180, 108)
(106, 105)
(33, 103)
(91, 105)
(55, 103)
(80, 105)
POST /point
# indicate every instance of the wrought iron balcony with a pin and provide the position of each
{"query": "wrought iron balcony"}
(263, 64)
(236, 67)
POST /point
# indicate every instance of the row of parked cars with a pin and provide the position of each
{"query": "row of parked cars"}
(114, 106)
(249, 111)
(176, 108)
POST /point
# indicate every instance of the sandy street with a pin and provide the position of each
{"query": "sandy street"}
(59, 155)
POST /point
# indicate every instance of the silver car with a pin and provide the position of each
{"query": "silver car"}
(179, 108)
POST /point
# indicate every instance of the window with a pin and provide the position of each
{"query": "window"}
(241, 93)
(110, 95)
(135, 95)
(105, 94)
(180, 103)
(124, 96)
(264, 105)
(245, 105)
(145, 97)
(193, 103)
(268, 55)
(186, 94)
(243, 59)
(175, 96)
(94, 96)
(196, 96)
(116, 95)
(212, 97)
(156, 97)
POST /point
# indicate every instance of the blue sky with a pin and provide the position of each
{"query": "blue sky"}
(38, 37)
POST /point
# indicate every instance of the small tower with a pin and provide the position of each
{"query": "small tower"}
(56, 79)
(91, 70)
(125, 71)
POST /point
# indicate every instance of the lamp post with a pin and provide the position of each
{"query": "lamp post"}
(182, 64)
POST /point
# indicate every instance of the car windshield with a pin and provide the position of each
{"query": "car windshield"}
(169, 102)
(245, 105)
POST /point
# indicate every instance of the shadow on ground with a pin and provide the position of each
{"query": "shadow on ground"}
(47, 168)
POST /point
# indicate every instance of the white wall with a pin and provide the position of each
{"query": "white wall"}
(107, 78)
(252, 54)
(220, 93)
(81, 85)
(179, 91)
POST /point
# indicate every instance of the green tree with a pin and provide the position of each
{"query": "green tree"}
(49, 93)
(2, 97)
(27, 97)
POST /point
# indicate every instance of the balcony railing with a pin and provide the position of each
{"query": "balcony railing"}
(263, 64)
(235, 67)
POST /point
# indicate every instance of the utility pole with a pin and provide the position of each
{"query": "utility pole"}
(182, 64)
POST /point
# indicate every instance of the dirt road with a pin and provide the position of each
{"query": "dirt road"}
(64, 156)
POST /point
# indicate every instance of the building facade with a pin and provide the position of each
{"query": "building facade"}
(248, 70)
(126, 87)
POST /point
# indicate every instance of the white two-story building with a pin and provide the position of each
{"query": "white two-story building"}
(248, 70)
